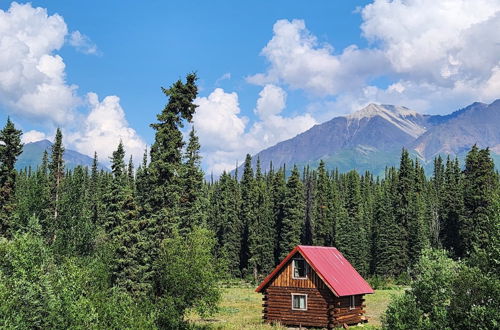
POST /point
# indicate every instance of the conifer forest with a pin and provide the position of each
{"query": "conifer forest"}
(140, 247)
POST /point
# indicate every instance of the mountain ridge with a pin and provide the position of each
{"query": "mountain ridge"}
(380, 131)
(33, 152)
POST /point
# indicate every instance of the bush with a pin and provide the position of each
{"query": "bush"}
(36, 292)
(187, 277)
(475, 302)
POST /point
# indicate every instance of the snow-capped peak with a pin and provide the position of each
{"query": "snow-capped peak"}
(401, 117)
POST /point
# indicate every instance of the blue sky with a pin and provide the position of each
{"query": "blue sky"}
(268, 69)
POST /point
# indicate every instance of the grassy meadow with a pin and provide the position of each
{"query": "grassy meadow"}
(241, 309)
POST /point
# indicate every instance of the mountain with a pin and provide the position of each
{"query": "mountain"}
(33, 153)
(372, 138)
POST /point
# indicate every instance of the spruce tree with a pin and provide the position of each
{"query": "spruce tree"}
(225, 222)
(403, 201)
(248, 213)
(10, 148)
(323, 209)
(480, 221)
(307, 232)
(452, 208)
(192, 199)
(166, 154)
(261, 230)
(278, 202)
(293, 214)
(351, 236)
(115, 196)
(56, 175)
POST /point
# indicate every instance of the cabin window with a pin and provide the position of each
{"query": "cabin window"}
(299, 301)
(299, 269)
(352, 302)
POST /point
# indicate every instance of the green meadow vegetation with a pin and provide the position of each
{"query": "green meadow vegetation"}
(240, 308)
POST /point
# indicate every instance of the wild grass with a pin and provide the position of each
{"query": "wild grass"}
(241, 308)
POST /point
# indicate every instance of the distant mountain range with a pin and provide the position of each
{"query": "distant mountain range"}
(33, 153)
(372, 138)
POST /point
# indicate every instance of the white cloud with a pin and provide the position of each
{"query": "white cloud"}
(103, 128)
(436, 41)
(33, 85)
(216, 120)
(82, 43)
(225, 76)
(272, 100)
(297, 59)
(32, 78)
(33, 136)
(436, 55)
(226, 137)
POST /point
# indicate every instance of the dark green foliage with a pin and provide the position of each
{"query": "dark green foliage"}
(480, 186)
(56, 175)
(10, 148)
(293, 214)
(475, 300)
(192, 200)
(188, 277)
(38, 293)
(224, 220)
(248, 215)
(387, 235)
(261, 230)
(351, 238)
(323, 209)
(452, 208)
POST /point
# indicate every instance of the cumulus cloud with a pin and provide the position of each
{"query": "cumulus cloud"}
(33, 136)
(33, 85)
(298, 60)
(104, 127)
(437, 55)
(32, 78)
(82, 43)
(226, 136)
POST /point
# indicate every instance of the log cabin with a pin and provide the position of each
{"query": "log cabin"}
(314, 286)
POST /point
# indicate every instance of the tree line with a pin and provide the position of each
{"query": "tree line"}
(138, 248)
(381, 225)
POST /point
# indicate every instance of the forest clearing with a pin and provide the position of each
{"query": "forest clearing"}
(240, 308)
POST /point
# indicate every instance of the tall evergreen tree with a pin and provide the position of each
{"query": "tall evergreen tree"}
(293, 214)
(114, 198)
(225, 222)
(323, 209)
(248, 213)
(192, 199)
(452, 208)
(351, 236)
(480, 220)
(261, 230)
(278, 201)
(10, 148)
(56, 175)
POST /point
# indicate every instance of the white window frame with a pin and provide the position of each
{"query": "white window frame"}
(352, 302)
(299, 294)
(305, 269)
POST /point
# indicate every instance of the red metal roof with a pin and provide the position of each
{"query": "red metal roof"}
(331, 266)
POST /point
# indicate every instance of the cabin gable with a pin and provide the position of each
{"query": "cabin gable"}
(303, 290)
(285, 277)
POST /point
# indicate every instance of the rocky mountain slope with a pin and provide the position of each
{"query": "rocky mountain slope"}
(372, 138)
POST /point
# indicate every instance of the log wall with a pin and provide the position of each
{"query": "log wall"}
(324, 309)
(278, 307)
